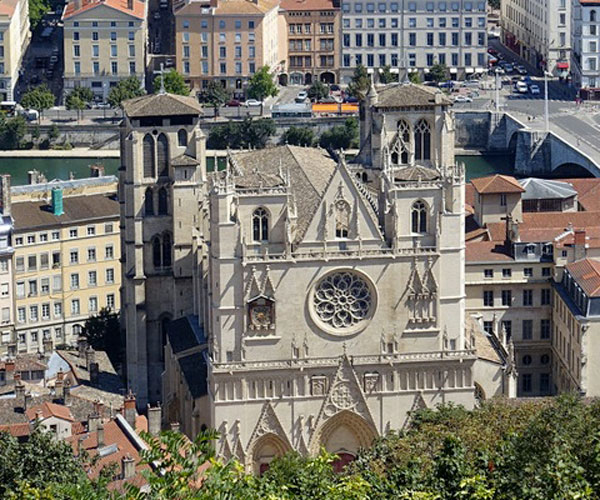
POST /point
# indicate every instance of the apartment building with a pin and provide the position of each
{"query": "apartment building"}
(585, 43)
(66, 259)
(104, 42)
(6, 271)
(520, 236)
(14, 40)
(576, 339)
(313, 38)
(228, 41)
(539, 31)
(415, 35)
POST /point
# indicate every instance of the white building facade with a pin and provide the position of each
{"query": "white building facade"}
(413, 36)
(539, 31)
(586, 40)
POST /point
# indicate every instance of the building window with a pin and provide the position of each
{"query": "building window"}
(182, 138)
(527, 329)
(57, 309)
(33, 313)
(528, 272)
(419, 217)
(526, 360)
(110, 276)
(72, 233)
(92, 278)
(74, 257)
(109, 252)
(162, 155)
(526, 382)
(149, 156)
(488, 298)
(545, 329)
(75, 308)
(74, 281)
(45, 311)
(544, 359)
(506, 272)
(422, 140)
(342, 219)
(260, 225)
(506, 297)
(546, 272)
(93, 304)
(161, 251)
(45, 286)
(33, 288)
(148, 202)
(32, 262)
(488, 327)
(110, 301)
(546, 296)
(527, 297)
(163, 201)
(488, 273)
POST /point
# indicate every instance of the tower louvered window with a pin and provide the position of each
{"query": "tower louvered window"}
(148, 156)
(162, 150)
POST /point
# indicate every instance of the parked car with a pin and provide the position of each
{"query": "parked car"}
(233, 103)
(253, 103)
(509, 68)
(30, 114)
(521, 70)
(351, 99)
(472, 84)
(169, 63)
(301, 97)
(462, 98)
(492, 51)
(335, 90)
(447, 85)
(534, 89)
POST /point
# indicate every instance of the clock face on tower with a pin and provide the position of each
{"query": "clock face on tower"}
(261, 314)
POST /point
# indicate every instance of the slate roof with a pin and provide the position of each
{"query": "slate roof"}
(542, 189)
(185, 333)
(497, 184)
(75, 8)
(310, 169)
(161, 105)
(415, 173)
(586, 273)
(195, 372)
(26, 362)
(409, 94)
(37, 214)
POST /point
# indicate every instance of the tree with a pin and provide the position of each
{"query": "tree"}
(174, 83)
(386, 76)
(79, 98)
(414, 77)
(216, 95)
(39, 98)
(241, 135)
(12, 132)
(298, 136)
(360, 83)
(103, 333)
(37, 10)
(438, 72)
(494, 4)
(53, 133)
(318, 90)
(341, 136)
(128, 88)
(261, 85)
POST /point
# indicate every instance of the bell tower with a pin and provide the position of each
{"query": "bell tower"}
(162, 183)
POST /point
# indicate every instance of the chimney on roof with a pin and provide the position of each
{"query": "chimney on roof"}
(26, 401)
(130, 4)
(154, 419)
(90, 357)
(67, 393)
(98, 407)
(94, 373)
(128, 467)
(129, 411)
(579, 246)
(9, 371)
(81, 346)
(59, 389)
(174, 426)
(93, 422)
(48, 347)
(100, 434)
(19, 393)
(5, 194)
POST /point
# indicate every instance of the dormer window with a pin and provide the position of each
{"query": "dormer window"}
(530, 249)
(260, 225)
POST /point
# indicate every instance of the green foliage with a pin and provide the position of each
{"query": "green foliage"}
(103, 333)
(415, 77)
(262, 85)
(12, 132)
(37, 10)
(386, 76)
(341, 136)
(298, 136)
(53, 133)
(318, 90)
(127, 88)
(494, 4)
(39, 98)
(360, 83)
(40, 461)
(438, 72)
(174, 83)
(248, 133)
(216, 95)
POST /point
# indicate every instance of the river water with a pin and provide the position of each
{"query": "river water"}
(59, 168)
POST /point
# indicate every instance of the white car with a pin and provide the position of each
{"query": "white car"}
(534, 89)
(463, 98)
(521, 88)
(301, 97)
(253, 102)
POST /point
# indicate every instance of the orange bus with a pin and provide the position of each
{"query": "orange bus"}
(335, 108)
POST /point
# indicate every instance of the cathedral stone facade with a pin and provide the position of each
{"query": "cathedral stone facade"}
(331, 294)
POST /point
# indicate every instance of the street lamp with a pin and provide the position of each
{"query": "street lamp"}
(497, 74)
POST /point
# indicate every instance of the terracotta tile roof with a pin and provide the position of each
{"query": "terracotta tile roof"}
(50, 410)
(76, 7)
(8, 7)
(484, 251)
(162, 105)
(308, 5)
(401, 95)
(470, 194)
(36, 214)
(588, 192)
(497, 184)
(238, 7)
(16, 430)
(26, 362)
(586, 273)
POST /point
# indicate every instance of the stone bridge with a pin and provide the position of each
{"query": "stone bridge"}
(534, 152)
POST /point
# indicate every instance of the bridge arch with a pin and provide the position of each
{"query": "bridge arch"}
(569, 169)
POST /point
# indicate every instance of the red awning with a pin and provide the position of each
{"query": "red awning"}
(562, 65)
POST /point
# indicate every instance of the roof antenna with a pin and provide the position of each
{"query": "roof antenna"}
(162, 79)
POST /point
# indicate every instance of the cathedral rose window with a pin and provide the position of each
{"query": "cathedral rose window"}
(342, 301)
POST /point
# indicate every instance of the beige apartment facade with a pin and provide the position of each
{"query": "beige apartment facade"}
(14, 40)
(6, 269)
(313, 37)
(228, 41)
(66, 259)
(104, 42)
